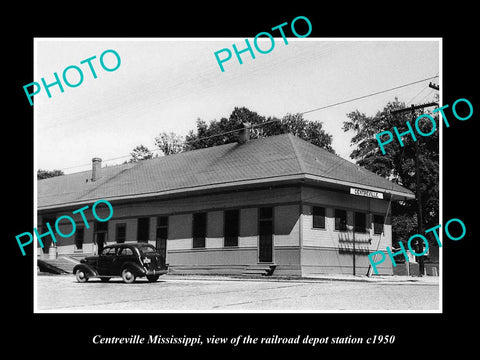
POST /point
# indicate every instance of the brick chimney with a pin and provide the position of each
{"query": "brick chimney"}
(96, 166)
(244, 133)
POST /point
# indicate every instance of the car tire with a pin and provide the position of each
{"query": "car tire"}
(128, 276)
(152, 278)
(104, 279)
(81, 276)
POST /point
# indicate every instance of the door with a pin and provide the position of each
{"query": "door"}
(47, 240)
(101, 239)
(265, 232)
(125, 254)
(161, 243)
(100, 230)
(161, 237)
(106, 260)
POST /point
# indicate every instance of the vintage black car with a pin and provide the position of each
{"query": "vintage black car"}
(128, 261)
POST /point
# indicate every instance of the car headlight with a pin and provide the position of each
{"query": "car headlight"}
(147, 261)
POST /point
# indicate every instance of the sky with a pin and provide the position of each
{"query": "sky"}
(165, 85)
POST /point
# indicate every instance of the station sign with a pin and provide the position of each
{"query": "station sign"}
(367, 193)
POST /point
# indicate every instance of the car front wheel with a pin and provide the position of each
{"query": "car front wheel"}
(128, 276)
(152, 278)
(81, 276)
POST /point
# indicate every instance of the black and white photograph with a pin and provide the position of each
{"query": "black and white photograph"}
(255, 188)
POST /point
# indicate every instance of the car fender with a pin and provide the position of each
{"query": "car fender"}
(86, 268)
(137, 269)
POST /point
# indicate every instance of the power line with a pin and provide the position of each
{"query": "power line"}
(365, 96)
(331, 105)
(409, 101)
(426, 86)
(267, 122)
(188, 142)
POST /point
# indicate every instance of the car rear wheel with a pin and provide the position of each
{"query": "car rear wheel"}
(81, 276)
(152, 278)
(128, 276)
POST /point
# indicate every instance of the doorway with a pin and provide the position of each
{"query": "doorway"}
(47, 240)
(100, 235)
(101, 240)
(162, 236)
(265, 232)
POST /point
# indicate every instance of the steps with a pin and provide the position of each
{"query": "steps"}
(259, 269)
(60, 265)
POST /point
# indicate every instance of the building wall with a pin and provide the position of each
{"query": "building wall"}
(331, 251)
(215, 257)
(299, 249)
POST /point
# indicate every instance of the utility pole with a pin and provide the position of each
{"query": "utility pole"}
(418, 193)
(433, 86)
(354, 245)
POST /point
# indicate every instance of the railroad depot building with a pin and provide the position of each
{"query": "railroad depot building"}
(276, 205)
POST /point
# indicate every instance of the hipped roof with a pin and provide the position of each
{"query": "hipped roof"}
(271, 159)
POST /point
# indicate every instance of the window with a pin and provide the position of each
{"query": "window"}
(231, 227)
(360, 222)
(120, 233)
(199, 229)
(340, 220)
(318, 217)
(147, 249)
(126, 252)
(378, 221)
(79, 238)
(143, 229)
(109, 251)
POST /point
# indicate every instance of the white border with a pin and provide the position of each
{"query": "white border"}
(34, 243)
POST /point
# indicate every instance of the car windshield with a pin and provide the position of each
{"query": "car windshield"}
(147, 249)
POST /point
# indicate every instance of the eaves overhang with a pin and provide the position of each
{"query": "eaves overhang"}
(241, 184)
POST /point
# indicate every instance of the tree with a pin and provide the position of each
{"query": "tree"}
(398, 164)
(169, 143)
(45, 174)
(223, 131)
(140, 153)
(310, 131)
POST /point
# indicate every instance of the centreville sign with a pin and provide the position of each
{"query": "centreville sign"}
(367, 193)
(59, 219)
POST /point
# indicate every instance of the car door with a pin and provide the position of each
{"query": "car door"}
(106, 260)
(125, 254)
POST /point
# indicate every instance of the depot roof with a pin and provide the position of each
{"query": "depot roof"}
(275, 159)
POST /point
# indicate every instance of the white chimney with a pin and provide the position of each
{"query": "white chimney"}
(244, 133)
(96, 166)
